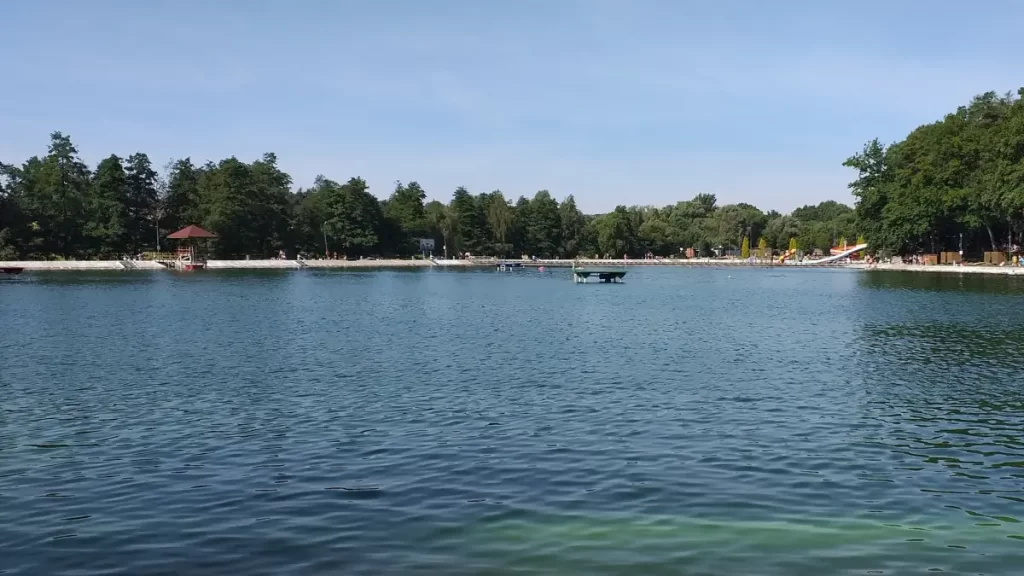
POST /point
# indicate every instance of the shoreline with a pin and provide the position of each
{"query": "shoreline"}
(268, 264)
(149, 265)
(943, 268)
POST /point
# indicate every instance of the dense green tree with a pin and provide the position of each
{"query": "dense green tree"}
(961, 176)
(11, 218)
(615, 236)
(500, 221)
(442, 226)
(53, 191)
(404, 219)
(354, 216)
(544, 226)
(469, 222)
(573, 228)
(269, 210)
(140, 203)
(181, 204)
(780, 230)
(309, 217)
(108, 225)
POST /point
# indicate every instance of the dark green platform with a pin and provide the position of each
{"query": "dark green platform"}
(608, 275)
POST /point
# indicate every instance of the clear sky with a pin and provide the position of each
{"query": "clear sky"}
(616, 102)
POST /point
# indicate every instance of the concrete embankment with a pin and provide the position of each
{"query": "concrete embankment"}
(85, 265)
(296, 264)
(46, 265)
(618, 262)
(945, 269)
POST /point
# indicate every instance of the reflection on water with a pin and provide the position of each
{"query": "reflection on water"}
(688, 421)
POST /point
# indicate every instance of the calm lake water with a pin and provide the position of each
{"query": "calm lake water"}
(688, 421)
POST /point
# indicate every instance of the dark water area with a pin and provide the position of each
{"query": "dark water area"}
(689, 421)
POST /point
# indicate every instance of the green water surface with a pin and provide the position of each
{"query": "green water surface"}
(688, 421)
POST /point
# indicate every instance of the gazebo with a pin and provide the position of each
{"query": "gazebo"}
(188, 258)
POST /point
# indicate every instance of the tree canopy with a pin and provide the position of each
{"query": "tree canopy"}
(960, 177)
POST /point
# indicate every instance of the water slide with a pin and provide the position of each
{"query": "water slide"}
(784, 256)
(840, 256)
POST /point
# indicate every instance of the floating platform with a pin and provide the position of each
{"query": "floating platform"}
(606, 275)
(509, 266)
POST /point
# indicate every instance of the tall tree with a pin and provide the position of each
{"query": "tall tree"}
(469, 221)
(543, 225)
(182, 205)
(406, 206)
(140, 202)
(109, 222)
(225, 193)
(269, 209)
(11, 217)
(55, 193)
(615, 236)
(353, 216)
(573, 224)
(441, 225)
(500, 219)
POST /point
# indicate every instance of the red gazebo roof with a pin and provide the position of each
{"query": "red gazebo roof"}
(191, 231)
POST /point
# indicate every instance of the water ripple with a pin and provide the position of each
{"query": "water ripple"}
(688, 421)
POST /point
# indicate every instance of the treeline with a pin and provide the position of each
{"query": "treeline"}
(57, 207)
(959, 178)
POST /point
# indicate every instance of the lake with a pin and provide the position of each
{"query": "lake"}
(688, 421)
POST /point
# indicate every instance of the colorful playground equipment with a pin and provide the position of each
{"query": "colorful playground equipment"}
(785, 255)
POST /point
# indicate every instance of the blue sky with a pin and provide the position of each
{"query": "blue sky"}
(615, 102)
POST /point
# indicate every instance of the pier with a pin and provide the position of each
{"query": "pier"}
(605, 275)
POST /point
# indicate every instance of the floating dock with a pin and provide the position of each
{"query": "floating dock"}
(606, 275)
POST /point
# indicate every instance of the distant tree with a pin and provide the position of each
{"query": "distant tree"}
(182, 205)
(573, 228)
(54, 194)
(468, 220)
(500, 219)
(140, 202)
(745, 248)
(404, 218)
(615, 236)
(544, 225)
(108, 225)
(440, 224)
(353, 216)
